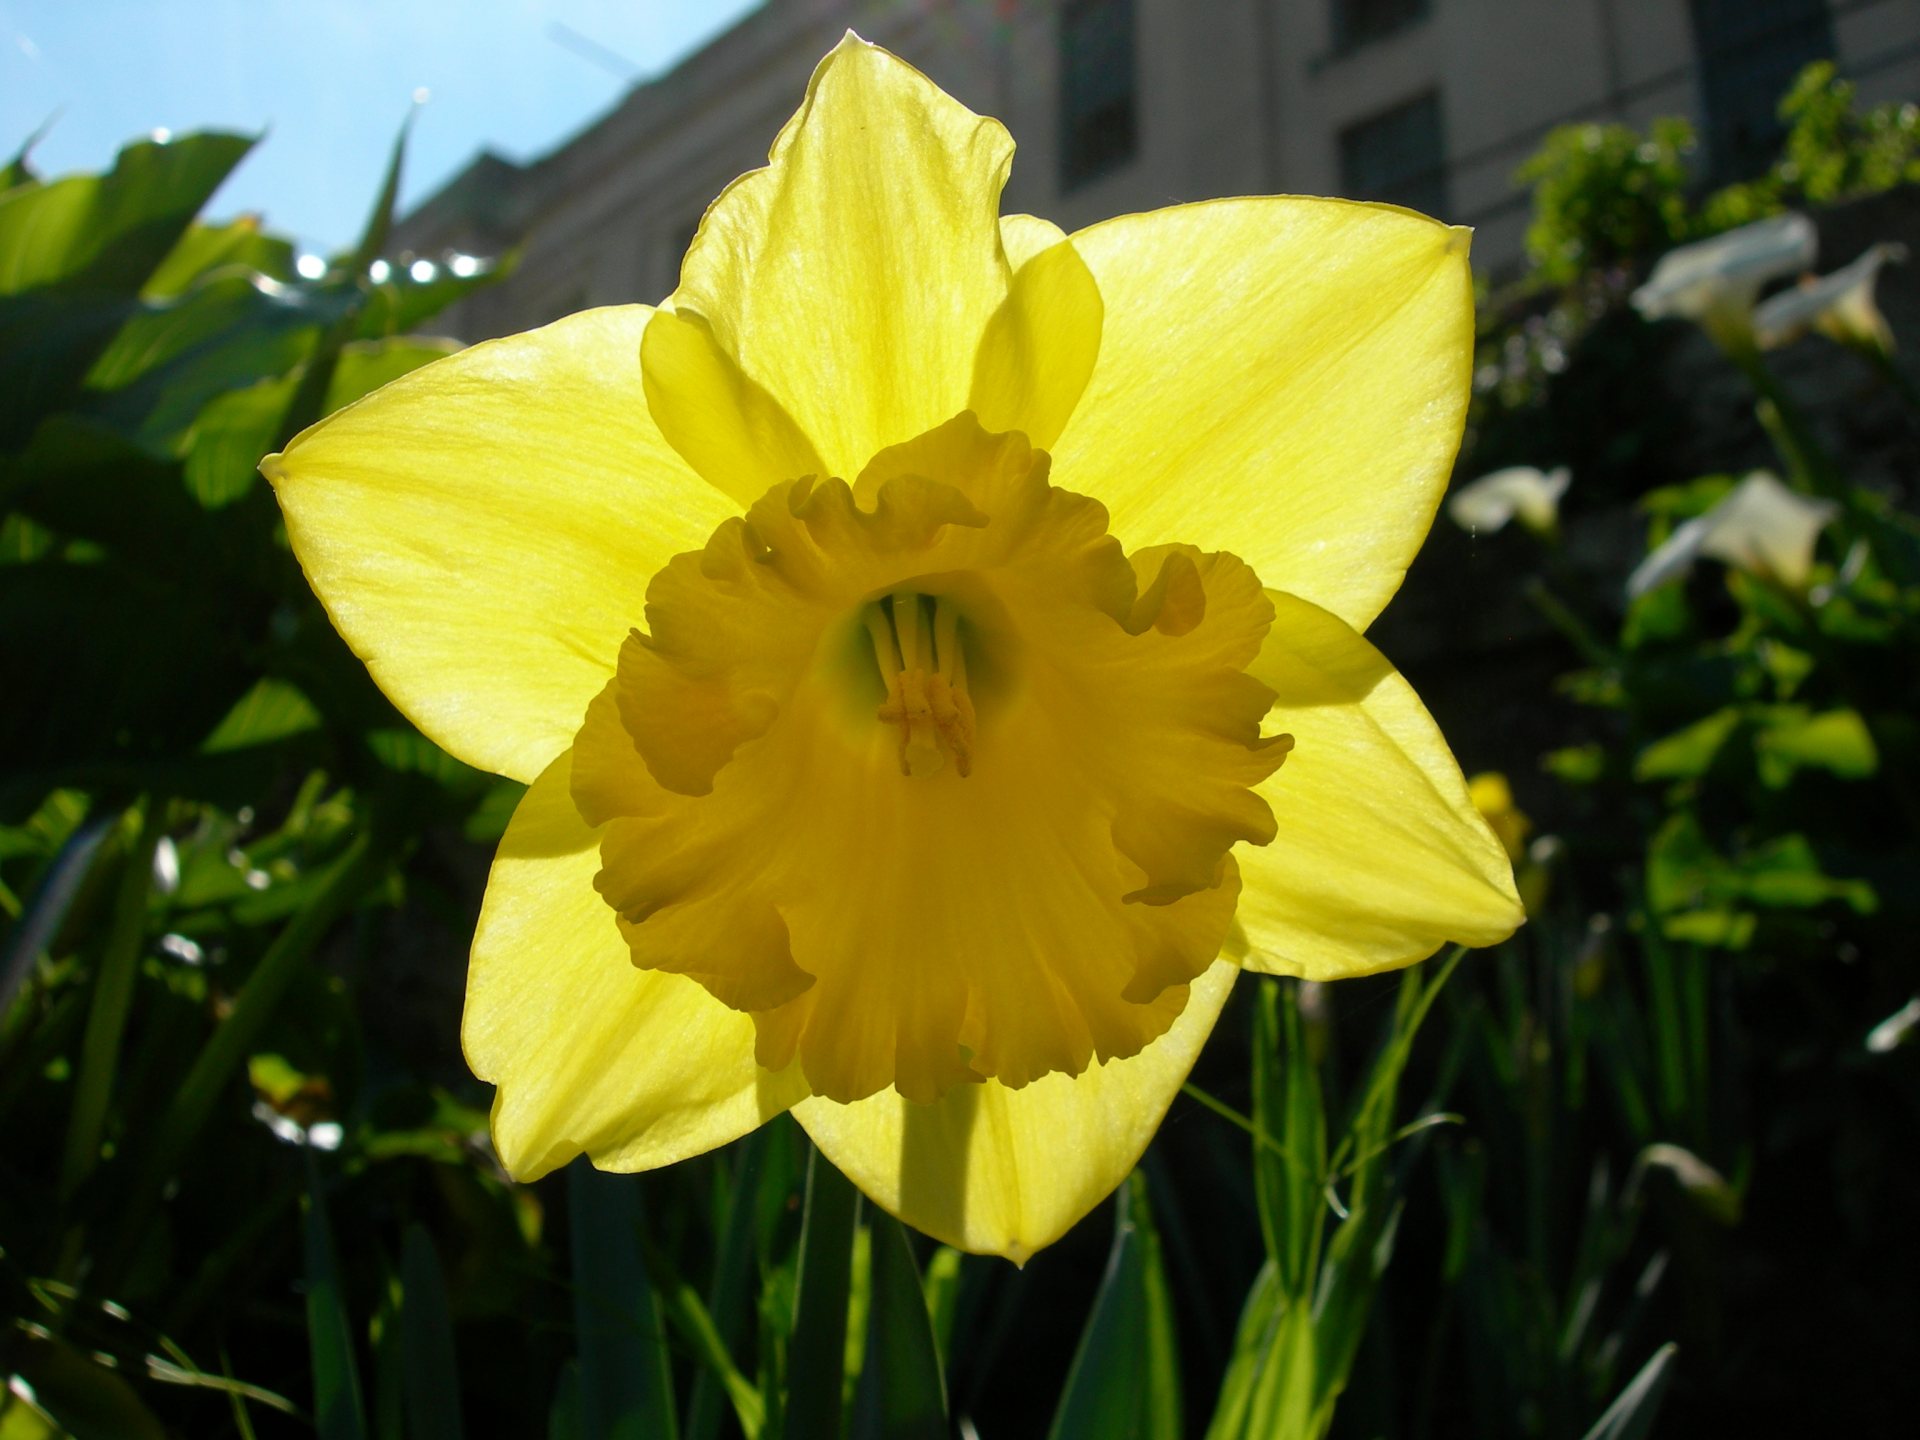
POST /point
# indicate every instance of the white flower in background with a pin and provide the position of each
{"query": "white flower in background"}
(1761, 527)
(1519, 492)
(1896, 1030)
(1716, 282)
(1840, 306)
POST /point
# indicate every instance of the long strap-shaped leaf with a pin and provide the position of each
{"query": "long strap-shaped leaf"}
(1125, 1380)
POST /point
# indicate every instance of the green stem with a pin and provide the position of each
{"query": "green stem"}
(1897, 380)
(1562, 618)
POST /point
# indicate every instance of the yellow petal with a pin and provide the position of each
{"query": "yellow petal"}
(1380, 857)
(632, 1068)
(1039, 347)
(726, 426)
(1025, 236)
(482, 530)
(1282, 378)
(852, 277)
(1004, 1172)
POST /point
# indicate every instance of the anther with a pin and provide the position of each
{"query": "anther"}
(926, 677)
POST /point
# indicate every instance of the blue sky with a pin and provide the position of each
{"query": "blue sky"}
(330, 81)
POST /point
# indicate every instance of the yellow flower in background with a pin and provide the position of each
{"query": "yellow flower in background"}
(869, 776)
(1492, 796)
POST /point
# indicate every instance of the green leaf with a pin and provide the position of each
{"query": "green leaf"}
(816, 1360)
(272, 710)
(46, 911)
(1125, 1380)
(1631, 1415)
(338, 1412)
(205, 248)
(729, 1298)
(626, 1384)
(74, 256)
(336, 889)
(1576, 764)
(17, 171)
(942, 1286)
(1687, 754)
(233, 328)
(85, 1399)
(902, 1393)
(1290, 1173)
(398, 304)
(1836, 741)
(426, 1343)
(114, 974)
(111, 232)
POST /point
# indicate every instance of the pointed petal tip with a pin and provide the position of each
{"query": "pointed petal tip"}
(274, 467)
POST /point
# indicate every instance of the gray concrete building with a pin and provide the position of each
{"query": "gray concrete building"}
(1121, 105)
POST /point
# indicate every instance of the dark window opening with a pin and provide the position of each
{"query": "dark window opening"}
(1357, 22)
(1099, 122)
(1398, 156)
(1750, 51)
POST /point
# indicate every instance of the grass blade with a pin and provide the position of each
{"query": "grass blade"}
(112, 1000)
(1631, 1415)
(727, 1300)
(40, 923)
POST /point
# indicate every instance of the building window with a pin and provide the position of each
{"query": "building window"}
(1099, 124)
(1356, 22)
(1749, 51)
(1399, 157)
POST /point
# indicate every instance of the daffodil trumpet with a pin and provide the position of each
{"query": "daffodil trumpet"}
(870, 776)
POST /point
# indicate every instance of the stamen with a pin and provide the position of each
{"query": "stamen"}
(926, 677)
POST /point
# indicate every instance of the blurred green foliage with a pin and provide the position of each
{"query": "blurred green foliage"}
(1606, 195)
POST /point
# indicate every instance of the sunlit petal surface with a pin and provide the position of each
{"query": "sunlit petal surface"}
(1282, 378)
(482, 530)
(592, 1056)
(1379, 856)
(1005, 1172)
(854, 275)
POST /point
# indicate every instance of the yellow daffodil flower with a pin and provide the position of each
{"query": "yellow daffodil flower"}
(869, 776)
